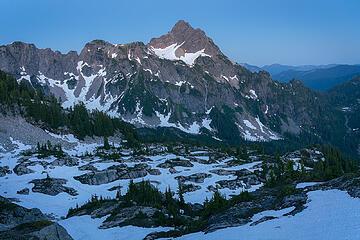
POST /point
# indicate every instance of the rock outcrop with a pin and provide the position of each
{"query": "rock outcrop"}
(114, 173)
(17, 222)
(4, 170)
(195, 178)
(52, 186)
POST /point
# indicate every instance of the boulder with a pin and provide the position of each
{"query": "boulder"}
(38, 230)
(67, 161)
(22, 169)
(196, 177)
(223, 172)
(177, 162)
(4, 170)
(24, 191)
(52, 232)
(114, 173)
(52, 186)
(190, 188)
(12, 214)
(124, 216)
(154, 171)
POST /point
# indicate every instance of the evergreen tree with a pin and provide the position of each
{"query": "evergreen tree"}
(106, 143)
(238, 151)
(245, 155)
(303, 170)
(186, 149)
(217, 203)
(170, 148)
(118, 193)
(170, 202)
(180, 193)
(265, 170)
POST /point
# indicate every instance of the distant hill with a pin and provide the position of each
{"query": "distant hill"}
(251, 68)
(275, 69)
(346, 97)
(321, 79)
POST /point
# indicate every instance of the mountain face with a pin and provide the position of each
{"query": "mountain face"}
(346, 97)
(180, 80)
(321, 79)
(187, 43)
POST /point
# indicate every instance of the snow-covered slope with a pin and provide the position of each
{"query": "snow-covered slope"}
(201, 170)
(58, 205)
(323, 218)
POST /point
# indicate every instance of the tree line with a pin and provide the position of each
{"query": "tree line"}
(47, 110)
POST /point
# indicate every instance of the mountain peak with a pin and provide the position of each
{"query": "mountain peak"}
(182, 26)
(185, 39)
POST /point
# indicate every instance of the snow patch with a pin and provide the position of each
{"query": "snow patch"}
(148, 70)
(260, 124)
(216, 138)
(85, 227)
(247, 136)
(92, 103)
(138, 113)
(209, 110)
(234, 78)
(249, 124)
(322, 219)
(206, 124)
(20, 146)
(169, 53)
(24, 75)
(253, 94)
(226, 78)
(307, 184)
(180, 83)
(66, 137)
(194, 128)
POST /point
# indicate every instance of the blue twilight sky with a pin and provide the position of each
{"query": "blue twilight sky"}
(258, 32)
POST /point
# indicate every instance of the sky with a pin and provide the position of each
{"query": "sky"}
(258, 32)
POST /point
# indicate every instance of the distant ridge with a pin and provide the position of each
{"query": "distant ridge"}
(321, 79)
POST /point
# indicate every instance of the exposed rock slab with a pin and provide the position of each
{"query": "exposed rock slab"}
(114, 173)
(52, 186)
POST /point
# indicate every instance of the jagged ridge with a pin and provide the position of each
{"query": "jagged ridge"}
(180, 80)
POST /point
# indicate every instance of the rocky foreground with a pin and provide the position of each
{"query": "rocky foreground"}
(159, 190)
(17, 222)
